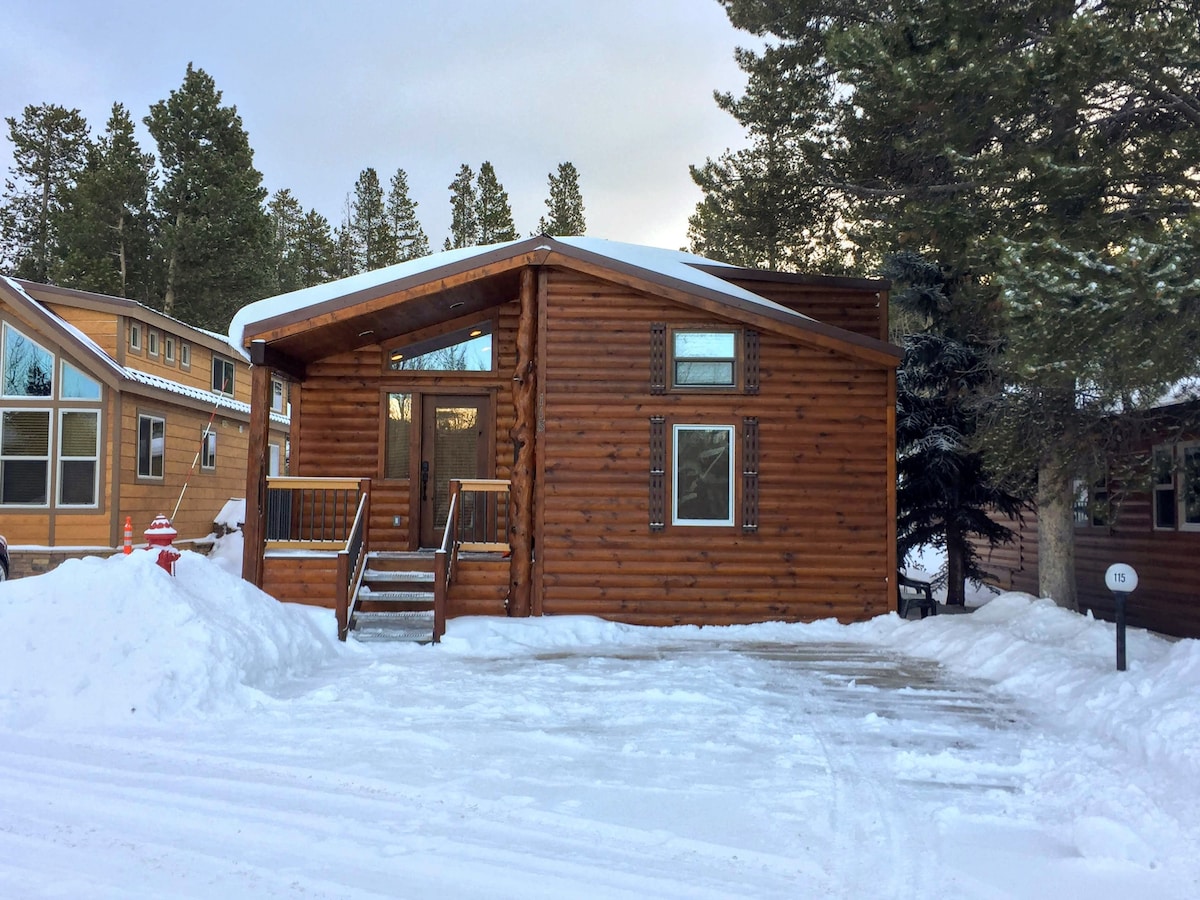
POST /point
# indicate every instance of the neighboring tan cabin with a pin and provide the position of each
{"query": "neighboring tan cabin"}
(581, 427)
(1157, 531)
(105, 407)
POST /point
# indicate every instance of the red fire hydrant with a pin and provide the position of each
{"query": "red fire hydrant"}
(161, 534)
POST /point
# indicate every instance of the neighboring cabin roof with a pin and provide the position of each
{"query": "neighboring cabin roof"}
(292, 319)
(103, 366)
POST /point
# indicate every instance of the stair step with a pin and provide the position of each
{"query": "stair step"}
(402, 555)
(389, 575)
(392, 626)
(396, 596)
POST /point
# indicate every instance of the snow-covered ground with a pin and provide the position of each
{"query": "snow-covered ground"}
(191, 737)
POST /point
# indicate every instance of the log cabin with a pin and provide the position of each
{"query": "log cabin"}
(107, 410)
(1145, 512)
(576, 426)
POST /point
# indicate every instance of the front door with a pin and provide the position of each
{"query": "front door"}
(454, 444)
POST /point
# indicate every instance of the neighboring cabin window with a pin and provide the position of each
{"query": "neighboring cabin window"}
(1164, 489)
(208, 449)
(78, 457)
(169, 349)
(704, 359)
(1177, 487)
(703, 486)
(1091, 503)
(273, 457)
(398, 439)
(135, 336)
(152, 342)
(1189, 488)
(466, 350)
(28, 366)
(222, 375)
(24, 457)
(152, 432)
(185, 355)
(76, 385)
(277, 395)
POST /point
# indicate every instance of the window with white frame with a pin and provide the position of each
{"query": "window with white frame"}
(27, 366)
(702, 464)
(1189, 487)
(1176, 487)
(185, 355)
(168, 349)
(152, 342)
(78, 457)
(704, 359)
(25, 457)
(135, 336)
(152, 436)
(1165, 506)
(208, 449)
(75, 385)
(278, 395)
(222, 375)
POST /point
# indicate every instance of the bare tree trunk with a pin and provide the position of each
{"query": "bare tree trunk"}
(956, 592)
(173, 267)
(1056, 537)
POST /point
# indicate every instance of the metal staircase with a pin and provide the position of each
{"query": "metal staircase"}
(395, 601)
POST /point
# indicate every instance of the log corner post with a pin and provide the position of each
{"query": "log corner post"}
(524, 395)
(254, 529)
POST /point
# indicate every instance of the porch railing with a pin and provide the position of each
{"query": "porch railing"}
(482, 524)
(351, 564)
(312, 513)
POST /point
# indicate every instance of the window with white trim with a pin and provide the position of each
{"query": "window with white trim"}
(27, 366)
(704, 359)
(278, 395)
(25, 457)
(208, 449)
(152, 342)
(1189, 487)
(185, 355)
(222, 375)
(151, 446)
(702, 475)
(135, 336)
(76, 385)
(1165, 506)
(168, 349)
(78, 457)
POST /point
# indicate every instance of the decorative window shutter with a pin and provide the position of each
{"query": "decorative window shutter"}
(658, 462)
(750, 474)
(658, 358)
(751, 361)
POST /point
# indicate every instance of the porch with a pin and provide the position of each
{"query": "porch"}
(317, 549)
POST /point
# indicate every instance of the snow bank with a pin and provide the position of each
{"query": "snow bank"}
(100, 640)
(1065, 663)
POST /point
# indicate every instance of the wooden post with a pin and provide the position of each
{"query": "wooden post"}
(524, 394)
(255, 528)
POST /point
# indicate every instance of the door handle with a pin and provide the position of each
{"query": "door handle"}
(424, 480)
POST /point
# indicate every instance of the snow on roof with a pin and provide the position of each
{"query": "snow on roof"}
(88, 344)
(677, 265)
(194, 393)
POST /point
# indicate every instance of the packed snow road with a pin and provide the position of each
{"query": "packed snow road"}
(192, 738)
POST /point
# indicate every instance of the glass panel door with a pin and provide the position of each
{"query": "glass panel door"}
(454, 445)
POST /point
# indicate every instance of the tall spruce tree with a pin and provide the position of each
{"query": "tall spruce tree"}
(492, 210)
(1027, 148)
(50, 145)
(286, 216)
(104, 227)
(373, 238)
(315, 256)
(464, 221)
(214, 235)
(401, 213)
(565, 204)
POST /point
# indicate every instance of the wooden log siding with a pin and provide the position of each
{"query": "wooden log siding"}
(821, 547)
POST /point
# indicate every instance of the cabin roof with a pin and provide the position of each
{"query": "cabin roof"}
(364, 309)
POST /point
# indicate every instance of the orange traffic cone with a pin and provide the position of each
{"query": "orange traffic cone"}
(128, 535)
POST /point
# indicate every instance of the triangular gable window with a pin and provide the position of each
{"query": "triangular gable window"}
(465, 350)
(76, 385)
(28, 367)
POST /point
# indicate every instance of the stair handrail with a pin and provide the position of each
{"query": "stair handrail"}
(444, 559)
(351, 566)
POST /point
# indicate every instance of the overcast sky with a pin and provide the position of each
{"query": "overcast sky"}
(621, 88)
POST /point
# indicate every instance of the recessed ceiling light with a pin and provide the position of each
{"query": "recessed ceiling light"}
(476, 332)
(457, 305)
(365, 333)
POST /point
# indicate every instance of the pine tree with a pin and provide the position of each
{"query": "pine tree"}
(315, 259)
(565, 204)
(50, 146)
(286, 216)
(943, 492)
(464, 224)
(104, 227)
(411, 242)
(492, 210)
(215, 237)
(1027, 149)
(369, 222)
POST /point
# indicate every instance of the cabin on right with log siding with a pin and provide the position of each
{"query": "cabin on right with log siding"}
(580, 426)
